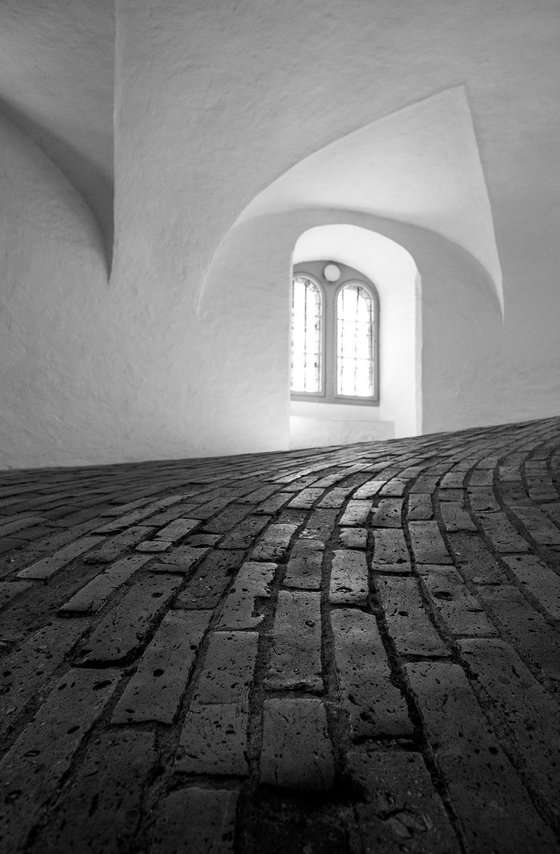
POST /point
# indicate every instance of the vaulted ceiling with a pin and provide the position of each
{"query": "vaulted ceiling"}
(57, 85)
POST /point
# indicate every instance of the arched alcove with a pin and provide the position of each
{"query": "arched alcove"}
(394, 273)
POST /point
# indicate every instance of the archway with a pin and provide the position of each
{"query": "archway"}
(393, 271)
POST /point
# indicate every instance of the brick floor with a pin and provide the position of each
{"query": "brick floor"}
(348, 650)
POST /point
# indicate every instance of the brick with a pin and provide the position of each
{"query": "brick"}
(113, 548)
(477, 563)
(177, 529)
(376, 706)
(44, 569)
(304, 568)
(99, 812)
(94, 595)
(155, 691)
(229, 666)
(455, 518)
(12, 524)
(388, 513)
(353, 538)
(459, 610)
(320, 525)
(541, 581)
(274, 543)
(390, 548)
(209, 581)
(501, 532)
(210, 826)
(335, 498)
(35, 764)
(251, 583)
(520, 707)
(356, 513)
(9, 590)
(273, 504)
(296, 750)
(121, 633)
(214, 740)
(427, 543)
(493, 810)
(527, 630)
(306, 498)
(295, 660)
(420, 507)
(407, 621)
(243, 536)
(482, 500)
(402, 810)
(153, 546)
(128, 519)
(369, 489)
(27, 669)
(349, 578)
(182, 560)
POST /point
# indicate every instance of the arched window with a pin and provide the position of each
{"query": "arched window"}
(335, 346)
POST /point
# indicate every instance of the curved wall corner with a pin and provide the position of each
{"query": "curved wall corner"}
(53, 279)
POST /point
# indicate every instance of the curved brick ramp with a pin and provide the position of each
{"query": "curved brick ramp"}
(345, 650)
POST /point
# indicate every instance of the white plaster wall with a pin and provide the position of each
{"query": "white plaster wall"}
(213, 104)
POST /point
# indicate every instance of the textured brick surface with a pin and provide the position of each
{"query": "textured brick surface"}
(352, 649)
(297, 752)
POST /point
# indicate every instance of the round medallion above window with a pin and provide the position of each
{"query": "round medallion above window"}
(332, 273)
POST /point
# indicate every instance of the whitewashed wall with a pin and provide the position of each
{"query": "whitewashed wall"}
(185, 350)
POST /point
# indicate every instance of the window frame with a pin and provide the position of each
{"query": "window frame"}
(313, 270)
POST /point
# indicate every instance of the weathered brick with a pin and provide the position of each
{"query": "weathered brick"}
(99, 812)
(177, 529)
(296, 749)
(349, 578)
(521, 708)
(306, 498)
(154, 692)
(390, 548)
(181, 560)
(9, 590)
(482, 500)
(369, 489)
(320, 525)
(427, 543)
(27, 669)
(122, 631)
(493, 810)
(420, 507)
(243, 536)
(112, 548)
(45, 568)
(541, 581)
(376, 706)
(33, 767)
(295, 660)
(408, 623)
(455, 518)
(524, 627)
(335, 498)
(209, 581)
(214, 740)
(475, 560)
(459, 610)
(274, 543)
(210, 826)
(127, 519)
(353, 538)
(154, 546)
(503, 535)
(251, 583)
(388, 513)
(91, 597)
(402, 810)
(356, 513)
(228, 669)
(304, 568)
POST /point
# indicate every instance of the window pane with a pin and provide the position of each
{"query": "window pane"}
(355, 328)
(307, 321)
